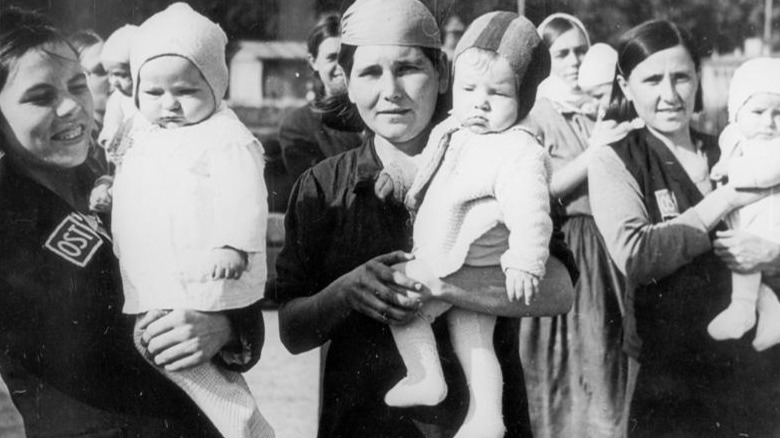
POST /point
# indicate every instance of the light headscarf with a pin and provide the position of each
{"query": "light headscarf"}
(554, 88)
(393, 23)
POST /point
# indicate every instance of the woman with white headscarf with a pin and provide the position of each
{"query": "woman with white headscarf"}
(575, 368)
(335, 277)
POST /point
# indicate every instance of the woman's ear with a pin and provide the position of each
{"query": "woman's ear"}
(346, 84)
(310, 60)
(444, 73)
(623, 83)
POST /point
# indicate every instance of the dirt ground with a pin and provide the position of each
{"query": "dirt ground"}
(286, 387)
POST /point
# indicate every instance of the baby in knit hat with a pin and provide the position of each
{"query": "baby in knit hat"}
(481, 198)
(120, 109)
(597, 72)
(115, 58)
(750, 158)
(189, 209)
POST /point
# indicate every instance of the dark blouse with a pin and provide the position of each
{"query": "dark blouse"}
(334, 224)
(66, 350)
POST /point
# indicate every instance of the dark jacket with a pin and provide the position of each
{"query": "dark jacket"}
(66, 350)
(688, 383)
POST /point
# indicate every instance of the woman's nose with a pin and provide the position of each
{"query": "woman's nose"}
(67, 106)
(391, 90)
(667, 91)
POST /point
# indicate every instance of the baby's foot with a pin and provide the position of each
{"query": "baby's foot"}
(733, 322)
(482, 426)
(410, 391)
(768, 328)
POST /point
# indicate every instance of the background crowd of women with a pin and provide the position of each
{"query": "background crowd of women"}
(632, 356)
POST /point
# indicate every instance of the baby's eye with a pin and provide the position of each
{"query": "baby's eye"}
(153, 92)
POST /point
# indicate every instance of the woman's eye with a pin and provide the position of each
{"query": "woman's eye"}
(407, 69)
(41, 99)
(369, 72)
(562, 53)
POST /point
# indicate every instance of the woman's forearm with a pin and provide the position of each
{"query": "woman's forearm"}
(308, 322)
(641, 249)
(568, 177)
(482, 290)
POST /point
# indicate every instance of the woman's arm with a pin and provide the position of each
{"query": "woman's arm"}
(568, 177)
(373, 289)
(642, 250)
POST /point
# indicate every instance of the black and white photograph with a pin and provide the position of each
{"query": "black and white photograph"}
(389, 219)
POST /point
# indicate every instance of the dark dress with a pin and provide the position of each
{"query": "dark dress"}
(307, 137)
(575, 368)
(66, 350)
(690, 385)
(334, 224)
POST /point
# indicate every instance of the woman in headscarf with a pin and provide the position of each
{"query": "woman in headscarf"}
(574, 367)
(66, 350)
(335, 278)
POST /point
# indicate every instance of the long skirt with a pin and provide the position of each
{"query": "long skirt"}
(575, 369)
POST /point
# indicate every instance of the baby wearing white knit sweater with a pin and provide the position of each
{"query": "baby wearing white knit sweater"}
(484, 179)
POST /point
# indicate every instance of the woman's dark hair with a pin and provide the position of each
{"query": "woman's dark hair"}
(555, 28)
(84, 39)
(340, 106)
(20, 31)
(328, 27)
(638, 44)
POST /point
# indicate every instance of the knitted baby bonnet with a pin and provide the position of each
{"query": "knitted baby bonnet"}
(396, 23)
(515, 39)
(116, 49)
(759, 75)
(180, 31)
(598, 66)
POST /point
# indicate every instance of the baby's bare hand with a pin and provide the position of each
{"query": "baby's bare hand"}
(100, 199)
(226, 263)
(521, 285)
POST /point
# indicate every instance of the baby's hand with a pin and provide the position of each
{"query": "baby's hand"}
(521, 284)
(100, 198)
(226, 263)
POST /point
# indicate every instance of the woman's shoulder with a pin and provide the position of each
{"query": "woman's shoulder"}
(342, 171)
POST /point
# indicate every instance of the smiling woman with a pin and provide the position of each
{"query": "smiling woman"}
(655, 205)
(66, 351)
(47, 107)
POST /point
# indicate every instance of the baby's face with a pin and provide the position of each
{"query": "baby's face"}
(759, 117)
(173, 93)
(602, 93)
(484, 94)
(119, 77)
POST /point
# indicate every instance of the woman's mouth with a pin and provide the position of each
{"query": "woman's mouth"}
(69, 134)
(394, 112)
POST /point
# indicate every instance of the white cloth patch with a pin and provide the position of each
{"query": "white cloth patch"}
(667, 204)
(74, 240)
